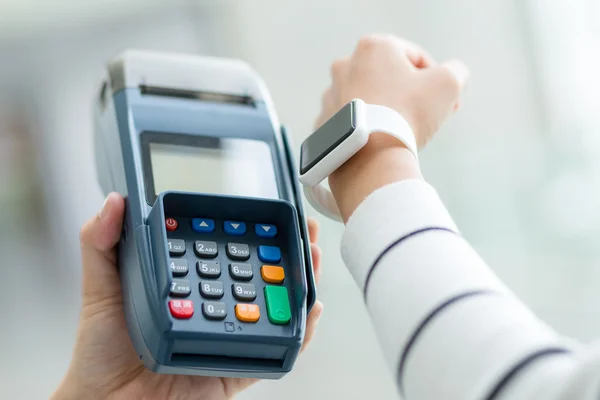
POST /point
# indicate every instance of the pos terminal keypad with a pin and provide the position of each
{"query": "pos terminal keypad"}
(226, 270)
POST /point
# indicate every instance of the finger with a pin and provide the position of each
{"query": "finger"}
(415, 54)
(99, 237)
(312, 322)
(339, 71)
(316, 259)
(326, 108)
(313, 230)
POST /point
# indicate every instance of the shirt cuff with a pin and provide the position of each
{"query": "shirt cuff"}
(386, 216)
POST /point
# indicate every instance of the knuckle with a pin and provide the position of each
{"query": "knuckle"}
(449, 82)
(368, 43)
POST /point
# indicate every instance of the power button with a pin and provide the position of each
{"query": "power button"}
(171, 224)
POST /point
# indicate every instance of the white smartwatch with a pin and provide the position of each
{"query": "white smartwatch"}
(336, 141)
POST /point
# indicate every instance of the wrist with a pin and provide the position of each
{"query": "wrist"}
(382, 161)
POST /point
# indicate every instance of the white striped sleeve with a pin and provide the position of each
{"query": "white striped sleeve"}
(447, 325)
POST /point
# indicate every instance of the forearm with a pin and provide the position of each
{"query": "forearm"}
(382, 161)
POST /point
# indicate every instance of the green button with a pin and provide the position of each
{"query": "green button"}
(278, 304)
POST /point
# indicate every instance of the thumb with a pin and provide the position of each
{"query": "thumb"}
(99, 237)
(448, 80)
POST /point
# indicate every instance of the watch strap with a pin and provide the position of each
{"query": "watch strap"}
(379, 119)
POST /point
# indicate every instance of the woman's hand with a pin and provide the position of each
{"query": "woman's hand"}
(392, 72)
(105, 364)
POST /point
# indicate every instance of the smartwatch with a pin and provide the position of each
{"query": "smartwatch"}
(336, 141)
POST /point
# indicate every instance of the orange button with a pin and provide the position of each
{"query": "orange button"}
(272, 274)
(247, 312)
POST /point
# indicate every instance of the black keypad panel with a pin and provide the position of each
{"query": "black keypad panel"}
(211, 289)
(206, 249)
(233, 280)
(214, 310)
(208, 269)
(244, 291)
(238, 251)
(179, 267)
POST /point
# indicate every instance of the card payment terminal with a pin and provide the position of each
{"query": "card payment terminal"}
(214, 257)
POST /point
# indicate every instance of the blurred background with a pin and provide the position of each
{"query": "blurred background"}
(518, 167)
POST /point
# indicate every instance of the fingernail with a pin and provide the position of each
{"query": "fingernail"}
(104, 211)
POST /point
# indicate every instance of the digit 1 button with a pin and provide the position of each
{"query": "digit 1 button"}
(205, 249)
(181, 309)
(265, 230)
(238, 251)
(270, 254)
(179, 267)
(272, 274)
(171, 224)
(176, 247)
(278, 305)
(214, 310)
(247, 312)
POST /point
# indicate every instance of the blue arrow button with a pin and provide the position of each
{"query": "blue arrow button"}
(234, 228)
(265, 230)
(203, 225)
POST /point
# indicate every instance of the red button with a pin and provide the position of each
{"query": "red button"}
(182, 309)
(171, 224)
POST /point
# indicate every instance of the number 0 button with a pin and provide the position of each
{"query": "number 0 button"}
(214, 310)
(238, 251)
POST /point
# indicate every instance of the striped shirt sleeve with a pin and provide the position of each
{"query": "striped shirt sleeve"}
(448, 327)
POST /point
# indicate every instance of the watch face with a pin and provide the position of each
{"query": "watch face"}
(329, 136)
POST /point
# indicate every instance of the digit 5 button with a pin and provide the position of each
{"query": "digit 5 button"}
(182, 309)
(247, 312)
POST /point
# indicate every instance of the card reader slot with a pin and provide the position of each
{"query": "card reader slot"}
(210, 361)
(197, 95)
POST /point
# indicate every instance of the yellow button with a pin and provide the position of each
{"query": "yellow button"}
(272, 274)
(247, 312)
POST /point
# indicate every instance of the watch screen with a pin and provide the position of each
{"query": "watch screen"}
(327, 138)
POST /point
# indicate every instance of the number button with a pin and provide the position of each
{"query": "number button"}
(180, 288)
(247, 312)
(179, 267)
(238, 251)
(211, 290)
(214, 310)
(182, 309)
(208, 269)
(242, 272)
(176, 247)
(244, 291)
(205, 249)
